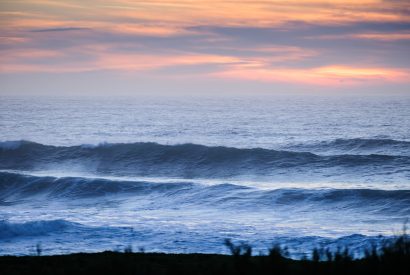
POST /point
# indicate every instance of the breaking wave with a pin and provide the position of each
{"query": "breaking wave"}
(34, 228)
(195, 161)
(358, 146)
(16, 188)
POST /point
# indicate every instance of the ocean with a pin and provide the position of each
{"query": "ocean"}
(182, 174)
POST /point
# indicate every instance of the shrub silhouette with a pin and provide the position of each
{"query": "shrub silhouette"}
(39, 249)
(390, 257)
(241, 255)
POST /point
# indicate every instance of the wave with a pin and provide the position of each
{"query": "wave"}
(62, 236)
(17, 188)
(358, 146)
(190, 160)
(33, 228)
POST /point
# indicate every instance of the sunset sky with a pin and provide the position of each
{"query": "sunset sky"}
(127, 47)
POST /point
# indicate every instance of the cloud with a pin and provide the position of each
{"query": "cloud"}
(382, 36)
(335, 75)
(310, 42)
(63, 29)
(99, 58)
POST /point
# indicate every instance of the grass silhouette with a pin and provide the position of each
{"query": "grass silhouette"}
(392, 257)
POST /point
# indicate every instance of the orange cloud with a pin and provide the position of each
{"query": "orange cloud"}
(105, 57)
(328, 75)
(180, 14)
(253, 68)
(99, 58)
(12, 40)
(138, 29)
(370, 36)
(383, 36)
(259, 13)
(170, 19)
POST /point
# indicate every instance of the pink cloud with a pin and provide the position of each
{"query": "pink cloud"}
(334, 75)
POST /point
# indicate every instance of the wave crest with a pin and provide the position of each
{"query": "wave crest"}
(186, 160)
(358, 146)
(33, 228)
(16, 188)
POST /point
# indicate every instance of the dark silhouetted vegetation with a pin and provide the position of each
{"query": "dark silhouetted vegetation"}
(38, 249)
(393, 257)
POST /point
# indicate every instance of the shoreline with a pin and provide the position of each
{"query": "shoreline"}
(392, 258)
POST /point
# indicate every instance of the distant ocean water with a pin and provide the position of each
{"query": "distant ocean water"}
(181, 174)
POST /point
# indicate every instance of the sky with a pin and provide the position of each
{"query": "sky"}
(204, 47)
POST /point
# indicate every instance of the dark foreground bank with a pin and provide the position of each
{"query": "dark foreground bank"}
(392, 258)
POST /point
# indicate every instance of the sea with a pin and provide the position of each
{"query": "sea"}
(181, 174)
